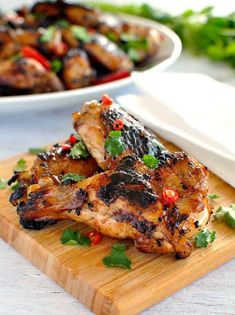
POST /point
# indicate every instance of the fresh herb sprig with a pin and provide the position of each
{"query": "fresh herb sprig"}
(226, 214)
(150, 161)
(204, 238)
(71, 177)
(213, 196)
(117, 257)
(81, 34)
(37, 150)
(20, 165)
(70, 237)
(114, 144)
(79, 150)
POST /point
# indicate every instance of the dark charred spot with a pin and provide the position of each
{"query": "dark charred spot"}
(78, 211)
(82, 195)
(135, 137)
(159, 243)
(140, 224)
(90, 205)
(17, 194)
(35, 225)
(129, 185)
(174, 218)
(128, 162)
(196, 224)
(13, 178)
(184, 186)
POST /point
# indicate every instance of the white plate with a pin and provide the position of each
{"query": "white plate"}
(169, 51)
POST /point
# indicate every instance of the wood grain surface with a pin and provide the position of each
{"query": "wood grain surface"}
(81, 272)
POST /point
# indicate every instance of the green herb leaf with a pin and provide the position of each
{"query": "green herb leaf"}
(56, 65)
(130, 41)
(20, 166)
(112, 36)
(81, 33)
(204, 238)
(70, 237)
(150, 161)
(113, 144)
(227, 214)
(134, 55)
(79, 150)
(3, 183)
(213, 196)
(71, 177)
(117, 257)
(62, 23)
(36, 151)
(48, 34)
(15, 186)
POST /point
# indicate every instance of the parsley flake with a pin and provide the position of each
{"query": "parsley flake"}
(213, 196)
(227, 214)
(114, 144)
(56, 65)
(62, 23)
(20, 166)
(71, 177)
(15, 186)
(81, 33)
(48, 34)
(117, 257)
(204, 238)
(36, 151)
(70, 237)
(150, 161)
(3, 183)
(79, 150)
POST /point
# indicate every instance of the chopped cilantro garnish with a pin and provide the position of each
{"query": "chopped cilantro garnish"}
(112, 36)
(70, 237)
(227, 214)
(71, 177)
(48, 35)
(204, 238)
(15, 186)
(79, 150)
(62, 23)
(117, 257)
(134, 54)
(213, 196)
(150, 161)
(56, 65)
(133, 46)
(3, 183)
(81, 33)
(20, 166)
(114, 144)
(37, 150)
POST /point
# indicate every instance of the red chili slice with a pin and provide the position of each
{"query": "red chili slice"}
(72, 139)
(112, 77)
(65, 146)
(169, 195)
(95, 237)
(118, 124)
(29, 52)
(106, 100)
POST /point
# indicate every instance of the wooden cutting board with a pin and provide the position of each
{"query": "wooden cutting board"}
(104, 290)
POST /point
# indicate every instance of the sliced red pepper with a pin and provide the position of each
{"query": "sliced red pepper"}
(65, 146)
(112, 77)
(95, 237)
(106, 100)
(73, 139)
(118, 124)
(169, 195)
(29, 52)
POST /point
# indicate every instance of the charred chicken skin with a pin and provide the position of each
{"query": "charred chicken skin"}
(128, 200)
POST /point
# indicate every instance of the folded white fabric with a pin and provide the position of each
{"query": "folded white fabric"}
(193, 111)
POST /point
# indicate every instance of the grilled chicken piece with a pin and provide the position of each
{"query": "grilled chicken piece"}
(56, 161)
(28, 37)
(82, 14)
(108, 54)
(48, 8)
(55, 47)
(127, 203)
(8, 43)
(121, 33)
(77, 71)
(26, 76)
(95, 122)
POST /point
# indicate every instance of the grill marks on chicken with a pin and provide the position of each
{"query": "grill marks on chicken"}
(126, 203)
(96, 121)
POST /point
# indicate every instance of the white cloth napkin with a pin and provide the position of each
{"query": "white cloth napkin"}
(193, 111)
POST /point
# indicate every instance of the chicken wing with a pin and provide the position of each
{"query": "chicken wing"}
(95, 122)
(127, 203)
